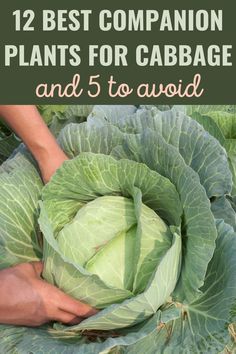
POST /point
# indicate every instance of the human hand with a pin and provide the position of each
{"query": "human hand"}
(26, 299)
(50, 161)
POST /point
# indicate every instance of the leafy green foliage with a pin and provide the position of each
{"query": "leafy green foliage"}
(8, 142)
(220, 121)
(140, 222)
(55, 117)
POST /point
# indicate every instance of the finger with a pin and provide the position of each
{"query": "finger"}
(67, 318)
(68, 304)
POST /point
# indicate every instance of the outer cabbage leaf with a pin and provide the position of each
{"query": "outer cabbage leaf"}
(230, 146)
(156, 107)
(19, 193)
(205, 109)
(201, 151)
(202, 325)
(222, 208)
(198, 228)
(48, 111)
(102, 113)
(77, 138)
(209, 125)
(221, 124)
(18, 340)
(226, 122)
(92, 175)
(69, 114)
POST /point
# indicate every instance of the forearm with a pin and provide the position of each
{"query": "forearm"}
(29, 126)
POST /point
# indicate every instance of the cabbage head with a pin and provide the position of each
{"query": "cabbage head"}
(139, 223)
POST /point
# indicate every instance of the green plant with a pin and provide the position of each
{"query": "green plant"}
(134, 225)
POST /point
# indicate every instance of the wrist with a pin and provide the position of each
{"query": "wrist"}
(49, 159)
(44, 153)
